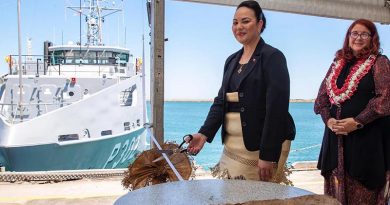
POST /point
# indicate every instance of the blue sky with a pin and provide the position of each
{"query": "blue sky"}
(200, 39)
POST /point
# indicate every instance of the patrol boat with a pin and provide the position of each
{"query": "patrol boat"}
(74, 107)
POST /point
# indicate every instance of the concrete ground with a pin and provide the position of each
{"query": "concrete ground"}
(308, 180)
(85, 191)
(107, 190)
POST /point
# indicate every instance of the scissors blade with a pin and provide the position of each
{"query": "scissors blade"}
(158, 159)
(163, 151)
(166, 151)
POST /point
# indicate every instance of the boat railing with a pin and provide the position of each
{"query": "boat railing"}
(51, 64)
(29, 62)
(12, 111)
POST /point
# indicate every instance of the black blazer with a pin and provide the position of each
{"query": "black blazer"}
(264, 93)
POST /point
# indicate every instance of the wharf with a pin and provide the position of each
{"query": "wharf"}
(108, 190)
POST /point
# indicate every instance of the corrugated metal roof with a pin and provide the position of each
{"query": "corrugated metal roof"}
(375, 10)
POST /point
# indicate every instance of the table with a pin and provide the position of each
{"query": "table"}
(211, 191)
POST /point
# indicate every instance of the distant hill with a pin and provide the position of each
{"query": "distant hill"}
(302, 100)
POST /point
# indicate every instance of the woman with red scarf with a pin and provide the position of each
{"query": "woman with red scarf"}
(354, 103)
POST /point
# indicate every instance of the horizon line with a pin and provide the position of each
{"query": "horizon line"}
(211, 100)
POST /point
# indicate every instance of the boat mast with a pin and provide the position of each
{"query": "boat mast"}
(94, 17)
(143, 81)
(20, 66)
(94, 22)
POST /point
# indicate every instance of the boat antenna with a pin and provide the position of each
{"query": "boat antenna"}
(149, 10)
(147, 5)
(123, 22)
(94, 17)
(20, 65)
(143, 79)
(80, 12)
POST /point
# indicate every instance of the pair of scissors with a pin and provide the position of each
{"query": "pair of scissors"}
(169, 152)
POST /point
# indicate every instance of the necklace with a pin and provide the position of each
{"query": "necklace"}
(241, 68)
(358, 71)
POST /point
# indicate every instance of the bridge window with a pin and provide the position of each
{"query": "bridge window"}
(88, 57)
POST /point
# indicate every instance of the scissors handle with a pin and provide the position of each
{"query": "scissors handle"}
(184, 139)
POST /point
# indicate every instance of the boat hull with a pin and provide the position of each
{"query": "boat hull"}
(105, 153)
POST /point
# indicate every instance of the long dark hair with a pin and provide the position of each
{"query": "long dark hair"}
(257, 9)
(374, 48)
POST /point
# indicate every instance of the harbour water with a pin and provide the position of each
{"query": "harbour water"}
(186, 117)
(180, 118)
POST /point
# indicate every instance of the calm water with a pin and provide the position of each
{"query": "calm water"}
(186, 117)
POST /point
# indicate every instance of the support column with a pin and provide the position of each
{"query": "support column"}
(157, 69)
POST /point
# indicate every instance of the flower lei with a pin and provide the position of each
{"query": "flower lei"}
(358, 71)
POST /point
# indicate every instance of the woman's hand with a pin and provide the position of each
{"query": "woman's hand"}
(266, 170)
(342, 127)
(196, 144)
(331, 122)
(345, 126)
(335, 127)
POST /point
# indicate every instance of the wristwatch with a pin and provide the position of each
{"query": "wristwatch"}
(359, 126)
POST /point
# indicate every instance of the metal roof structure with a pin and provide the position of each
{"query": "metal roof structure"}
(374, 10)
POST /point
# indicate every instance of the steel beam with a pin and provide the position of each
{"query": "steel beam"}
(375, 10)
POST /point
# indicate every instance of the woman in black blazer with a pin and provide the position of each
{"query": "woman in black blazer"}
(252, 105)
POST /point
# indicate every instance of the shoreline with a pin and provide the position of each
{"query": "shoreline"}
(210, 100)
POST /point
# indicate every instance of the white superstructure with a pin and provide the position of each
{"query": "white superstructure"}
(78, 107)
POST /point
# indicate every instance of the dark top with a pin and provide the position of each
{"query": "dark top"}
(366, 150)
(236, 77)
(263, 92)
